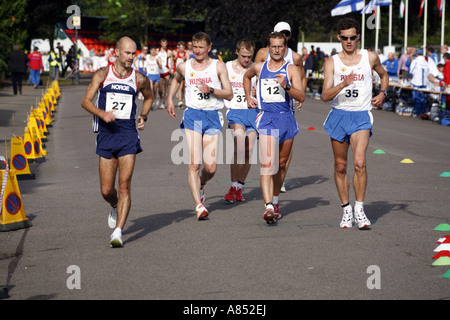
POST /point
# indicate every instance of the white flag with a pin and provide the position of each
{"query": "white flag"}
(402, 9)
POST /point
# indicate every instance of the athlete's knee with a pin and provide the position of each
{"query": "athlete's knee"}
(108, 193)
(360, 165)
(194, 167)
(124, 186)
(340, 167)
(210, 170)
(283, 164)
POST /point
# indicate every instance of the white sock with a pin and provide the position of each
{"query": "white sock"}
(239, 185)
(275, 199)
(118, 231)
(234, 184)
(347, 208)
(359, 204)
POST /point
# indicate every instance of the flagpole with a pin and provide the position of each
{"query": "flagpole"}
(390, 26)
(406, 23)
(363, 26)
(443, 24)
(377, 26)
(425, 26)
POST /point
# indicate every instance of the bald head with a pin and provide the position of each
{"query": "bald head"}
(123, 42)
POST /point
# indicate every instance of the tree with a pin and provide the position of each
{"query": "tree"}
(133, 18)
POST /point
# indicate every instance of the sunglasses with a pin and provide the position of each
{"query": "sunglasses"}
(345, 38)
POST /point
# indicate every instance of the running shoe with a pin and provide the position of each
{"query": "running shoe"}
(112, 217)
(202, 194)
(276, 210)
(239, 196)
(201, 212)
(230, 195)
(116, 239)
(269, 216)
(283, 188)
(347, 218)
(361, 218)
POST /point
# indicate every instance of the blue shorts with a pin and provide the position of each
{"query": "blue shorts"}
(203, 121)
(154, 77)
(341, 124)
(118, 144)
(244, 117)
(280, 125)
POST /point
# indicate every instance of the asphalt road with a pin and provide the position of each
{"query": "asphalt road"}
(234, 255)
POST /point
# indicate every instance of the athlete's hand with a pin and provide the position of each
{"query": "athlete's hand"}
(171, 108)
(349, 79)
(141, 123)
(108, 117)
(377, 101)
(204, 88)
(252, 103)
(281, 80)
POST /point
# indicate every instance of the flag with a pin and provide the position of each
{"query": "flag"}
(402, 9)
(440, 4)
(421, 8)
(383, 2)
(346, 6)
(371, 6)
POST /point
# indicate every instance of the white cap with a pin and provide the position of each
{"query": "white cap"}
(281, 26)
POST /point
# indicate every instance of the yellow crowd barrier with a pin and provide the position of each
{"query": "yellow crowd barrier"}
(25, 149)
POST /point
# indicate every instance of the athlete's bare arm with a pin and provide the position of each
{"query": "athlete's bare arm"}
(143, 84)
(297, 92)
(298, 61)
(91, 91)
(254, 70)
(375, 63)
(262, 54)
(176, 81)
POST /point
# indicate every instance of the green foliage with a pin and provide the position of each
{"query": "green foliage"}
(13, 20)
(133, 18)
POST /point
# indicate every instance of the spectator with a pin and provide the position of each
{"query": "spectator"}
(308, 66)
(391, 66)
(402, 71)
(54, 65)
(419, 70)
(304, 54)
(36, 67)
(432, 55)
(381, 56)
(215, 55)
(444, 50)
(17, 65)
(61, 54)
(447, 75)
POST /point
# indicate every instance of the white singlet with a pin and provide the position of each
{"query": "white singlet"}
(196, 99)
(239, 101)
(164, 62)
(358, 95)
(151, 65)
